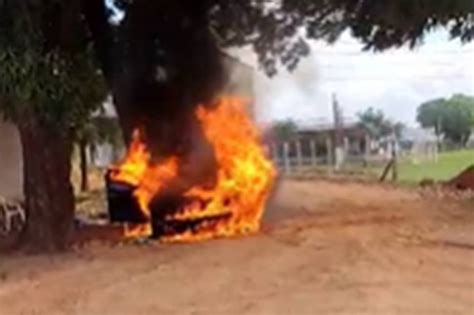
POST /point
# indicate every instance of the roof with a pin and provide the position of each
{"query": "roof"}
(417, 135)
(321, 124)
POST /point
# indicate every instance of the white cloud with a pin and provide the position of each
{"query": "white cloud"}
(396, 81)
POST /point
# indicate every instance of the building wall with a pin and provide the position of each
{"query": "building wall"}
(11, 165)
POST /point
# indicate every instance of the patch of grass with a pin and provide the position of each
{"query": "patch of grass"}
(410, 173)
(449, 164)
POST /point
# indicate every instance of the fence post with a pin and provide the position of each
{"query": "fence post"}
(314, 156)
(274, 152)
(329, 151)
(299, 156)
(394, 158)
(286, 157)
(346, 144)
(345, 154)
(367, 149)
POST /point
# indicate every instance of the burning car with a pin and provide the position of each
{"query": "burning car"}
(155, 199)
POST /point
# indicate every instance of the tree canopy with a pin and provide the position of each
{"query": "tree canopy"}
(284, 130)
(278, 30)
(452, 118)
(42, 69)
(377, 124)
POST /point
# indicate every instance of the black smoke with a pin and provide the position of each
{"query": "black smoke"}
(169, 64)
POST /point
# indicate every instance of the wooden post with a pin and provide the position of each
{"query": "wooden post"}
(346, 149)
(314, 156)
(286, 157)
(394, 159)
(386, 170)
(274, 152)
(299, 156)
(346, 144)
(367, 149)
(83, 164)
(329, 151)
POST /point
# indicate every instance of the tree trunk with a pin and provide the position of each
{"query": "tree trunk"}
(49, 197)
(83, 165)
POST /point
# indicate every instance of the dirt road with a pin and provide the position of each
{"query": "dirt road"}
(326, 248)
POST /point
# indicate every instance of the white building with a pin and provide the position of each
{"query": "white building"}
(419, 144)
(11, 165)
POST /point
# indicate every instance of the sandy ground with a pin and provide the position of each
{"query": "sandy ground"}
(326, 248)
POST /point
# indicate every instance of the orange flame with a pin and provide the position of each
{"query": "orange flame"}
(244, 175)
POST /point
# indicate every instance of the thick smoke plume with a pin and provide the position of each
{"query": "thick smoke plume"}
(173, 65)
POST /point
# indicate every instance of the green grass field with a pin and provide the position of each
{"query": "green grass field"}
(448, 165)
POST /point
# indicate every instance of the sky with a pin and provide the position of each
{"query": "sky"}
(396, 81)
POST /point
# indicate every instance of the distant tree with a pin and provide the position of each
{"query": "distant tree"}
(284, 130)
(377, 125)
(430, 115)
(451, 118)
(398, 129)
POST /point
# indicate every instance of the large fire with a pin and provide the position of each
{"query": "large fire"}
(244, 177)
